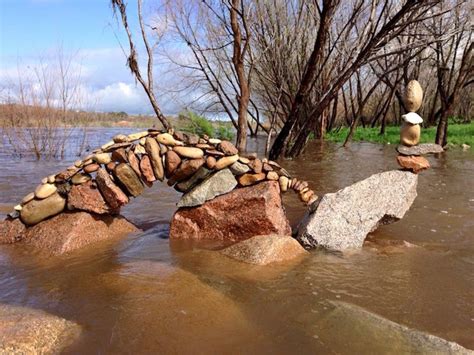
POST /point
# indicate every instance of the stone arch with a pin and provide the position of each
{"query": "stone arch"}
(107, 179)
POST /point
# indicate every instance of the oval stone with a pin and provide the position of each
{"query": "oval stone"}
(226, 161)
(80, 178)
(413, 96)
(102, 158)
(283, 181)
(91, 168)
(272, 176)
(166, 139)
(189, 152)
(28, 198)
(37, 210)
(45, 190)
(410, 134)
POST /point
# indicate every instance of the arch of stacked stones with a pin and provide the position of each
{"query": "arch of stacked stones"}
(105, 180)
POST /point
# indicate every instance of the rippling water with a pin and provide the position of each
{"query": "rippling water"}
(145, 294)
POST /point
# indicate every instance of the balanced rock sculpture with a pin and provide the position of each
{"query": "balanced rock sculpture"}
(108, 178)
(410, 131)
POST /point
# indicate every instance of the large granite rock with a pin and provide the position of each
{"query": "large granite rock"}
(342, 220)
(420, 149)
(237, 215)
(265, 249)
(218, 184)
(31, 331)
(380, 335)
(67, 231)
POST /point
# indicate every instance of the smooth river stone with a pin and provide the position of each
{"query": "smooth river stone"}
(410, 134)
(129, 179)
(28, 198)
(80, 178)
(91, 168)
(250, 179)
(37, 210)
(45, 190)
(228, 148)
(272, 176)
(226, 161)
(218, 184)
(186, 169)
(120, 138)
(283, 181)
(214, 141)
(147, 170)
(107, 145)
(136, 136)
(172, 161)
(211, 162)
(102, 158)
(239, 169)
(189, 152)
(413, 96)
(420, 149)
(114, 196)
(166, 139)
(153, 150)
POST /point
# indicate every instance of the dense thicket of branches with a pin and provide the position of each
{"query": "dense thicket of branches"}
(299, 68)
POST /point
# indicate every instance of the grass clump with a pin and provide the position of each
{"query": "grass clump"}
(458, 134)
(200, 125)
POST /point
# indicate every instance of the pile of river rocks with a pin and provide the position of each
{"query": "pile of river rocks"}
(104, 181)
(410, 151)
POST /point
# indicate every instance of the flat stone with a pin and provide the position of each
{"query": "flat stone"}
(251, 179)
(67, 174)
(28, 198)
(189, 152)
(102, 158)
(187, 169)
(381, 335)
(228, 148)
(214, 152)
(197, 178)
(420, 149)
(127, 177)
(256, 165)
(220, 183)
(265, 249)
(172, 161)
(237, 215)
(226, 161)
(87, 197)
(119, 155)
(114, 196)
(342, 220)
(80, 178)
(238, 168)
(37, 210)
(153, 150)
(117, 146)
(136, 136)
(33, 331)
(70, 231)
(120, 138)
(413, 163)
(146, 169)
(91, 168)
(45, 190)
(134, 162)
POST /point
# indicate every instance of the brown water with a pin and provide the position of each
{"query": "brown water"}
(145, 295)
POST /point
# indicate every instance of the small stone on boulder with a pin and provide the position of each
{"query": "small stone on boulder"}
(265, 249)
(413, 163)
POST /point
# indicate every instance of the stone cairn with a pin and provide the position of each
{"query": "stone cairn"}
(410, 150)
(105, 180)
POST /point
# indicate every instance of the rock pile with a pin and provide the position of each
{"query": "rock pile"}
(200, 167)
(410, 151)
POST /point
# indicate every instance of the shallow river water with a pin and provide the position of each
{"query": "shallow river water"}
(143, 294)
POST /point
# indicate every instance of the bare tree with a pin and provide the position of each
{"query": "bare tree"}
(132, 60)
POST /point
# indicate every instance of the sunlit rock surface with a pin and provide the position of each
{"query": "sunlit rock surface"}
(342, 220)
(31, 331)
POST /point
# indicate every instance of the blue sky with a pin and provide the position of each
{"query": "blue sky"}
(34, 28)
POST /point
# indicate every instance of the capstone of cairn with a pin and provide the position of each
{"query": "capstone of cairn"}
(107, 179)
(410, 130)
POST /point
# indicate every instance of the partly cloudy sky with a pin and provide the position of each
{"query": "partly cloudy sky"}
(85, 30)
